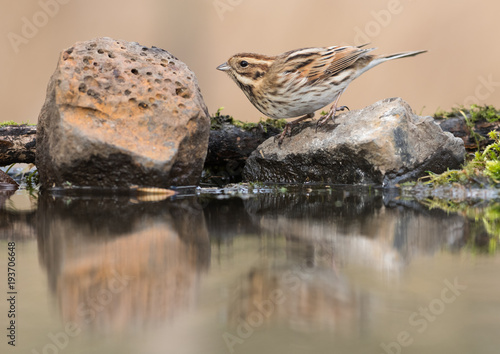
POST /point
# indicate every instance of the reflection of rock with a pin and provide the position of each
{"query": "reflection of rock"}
(6, 193)
(15, 224)
(360, 229)
(226, 218)
(420, 231)
(328, 245)
(307, 299)
(116, 265)
(316, 241)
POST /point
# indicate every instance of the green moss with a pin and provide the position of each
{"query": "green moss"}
(276, 123)
(483, 169)
(454, 112)
(408, 184)
(493, 170)
(244, 125)
(218, 119)
(8, 122)
(484, 113)
(473, 114)
(11, 122)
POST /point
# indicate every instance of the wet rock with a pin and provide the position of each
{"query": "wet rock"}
(229, 146)
(475, 136)
(7, 188)
(119, 114)
(17, 144)
(384, 143)
(456, 126)
(6, 182)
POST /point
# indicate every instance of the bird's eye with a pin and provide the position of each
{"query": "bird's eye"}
(243, 63)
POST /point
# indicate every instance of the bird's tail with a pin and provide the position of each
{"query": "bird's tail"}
(374, 60)
(382, 58)
(401, 55)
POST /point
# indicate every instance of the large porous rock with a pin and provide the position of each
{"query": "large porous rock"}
(382, 144)
(119, 114)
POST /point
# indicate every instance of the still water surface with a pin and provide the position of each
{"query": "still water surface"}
(306, 270)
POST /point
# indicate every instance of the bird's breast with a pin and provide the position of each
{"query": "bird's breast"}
(295, 104)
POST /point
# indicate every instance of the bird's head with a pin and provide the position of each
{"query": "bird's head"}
(247, 69)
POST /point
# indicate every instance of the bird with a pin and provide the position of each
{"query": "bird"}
(299, 82)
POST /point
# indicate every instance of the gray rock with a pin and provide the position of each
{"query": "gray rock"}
(119, 114)
(385, 143)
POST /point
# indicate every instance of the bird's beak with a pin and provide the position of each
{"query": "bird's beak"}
(224, 67)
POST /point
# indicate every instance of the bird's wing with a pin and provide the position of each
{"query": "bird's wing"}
(321, 63)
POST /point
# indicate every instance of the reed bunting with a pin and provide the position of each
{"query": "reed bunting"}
(299, 82)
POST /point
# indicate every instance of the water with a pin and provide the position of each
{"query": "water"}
(272, 270)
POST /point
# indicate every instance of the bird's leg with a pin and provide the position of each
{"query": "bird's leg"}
(287, 131)
(332, 112)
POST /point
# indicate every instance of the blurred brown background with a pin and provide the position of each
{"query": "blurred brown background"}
(461, 36)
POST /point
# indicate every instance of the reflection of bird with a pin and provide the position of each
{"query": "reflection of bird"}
(299, 82)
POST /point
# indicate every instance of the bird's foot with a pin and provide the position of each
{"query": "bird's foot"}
(287, 131)
(331, 114)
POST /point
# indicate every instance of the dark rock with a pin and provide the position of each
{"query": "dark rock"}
(456, 126)
(6, 182)
(384, 143)
(229, 146)
(474, 138)
(7, 188)
(119, 114)
(17, 144)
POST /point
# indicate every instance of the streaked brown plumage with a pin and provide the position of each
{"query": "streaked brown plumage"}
(299, 82)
